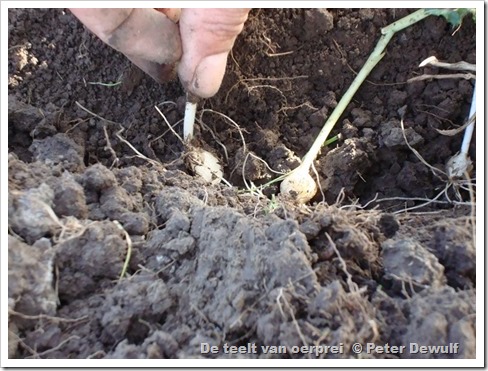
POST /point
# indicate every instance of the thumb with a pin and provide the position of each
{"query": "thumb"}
(207, 37)
(208, 75)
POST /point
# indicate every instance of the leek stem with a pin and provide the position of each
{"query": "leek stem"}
(372, 61)
(189, 121)
(468, 132)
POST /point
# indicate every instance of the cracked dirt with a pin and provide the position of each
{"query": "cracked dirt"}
(216, 264)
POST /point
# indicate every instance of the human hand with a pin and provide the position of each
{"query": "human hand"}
(151, 39)
(207, 36)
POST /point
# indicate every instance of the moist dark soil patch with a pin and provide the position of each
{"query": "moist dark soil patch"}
(220, 265)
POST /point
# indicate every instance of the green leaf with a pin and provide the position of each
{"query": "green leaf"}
(453, 16)
(330, 141)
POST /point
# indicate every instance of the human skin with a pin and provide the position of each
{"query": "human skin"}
(199, 43)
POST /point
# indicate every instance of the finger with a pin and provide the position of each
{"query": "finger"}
(207, 37)
(145, 36)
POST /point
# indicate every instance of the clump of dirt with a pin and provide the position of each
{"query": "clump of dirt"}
(219, 264)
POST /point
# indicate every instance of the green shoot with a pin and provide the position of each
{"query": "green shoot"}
(272, 205)
(329, 141)
(129, 249)
(106, 84)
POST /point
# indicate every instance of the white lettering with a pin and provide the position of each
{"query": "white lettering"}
(273, 349)
(384, 349)
(206, 348)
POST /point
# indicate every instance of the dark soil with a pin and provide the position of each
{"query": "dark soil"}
(220, 265)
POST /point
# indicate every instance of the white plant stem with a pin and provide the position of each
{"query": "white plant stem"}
(468, 133)
(189, 121)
